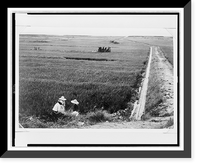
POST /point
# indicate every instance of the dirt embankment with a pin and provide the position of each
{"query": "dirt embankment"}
(160, 94)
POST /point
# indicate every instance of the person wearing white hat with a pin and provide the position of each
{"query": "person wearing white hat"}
(59, 107)
(75, 107)
(75, 102)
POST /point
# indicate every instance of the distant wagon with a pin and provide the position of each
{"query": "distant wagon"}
(114, 42)
(37, 48)
(104, 49)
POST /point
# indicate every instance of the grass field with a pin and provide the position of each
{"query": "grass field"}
(54, 66)
(165, 43)
(168, 53)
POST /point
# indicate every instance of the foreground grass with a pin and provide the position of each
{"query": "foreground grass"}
(67, 121)
(38, 98)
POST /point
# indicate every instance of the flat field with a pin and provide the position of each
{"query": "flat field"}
(165, 43)
(168, 53)
(95, 79)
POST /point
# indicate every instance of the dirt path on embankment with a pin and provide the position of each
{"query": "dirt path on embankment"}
(165, 71)
(166, 75)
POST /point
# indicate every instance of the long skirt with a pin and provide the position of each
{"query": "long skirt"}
(75, 113)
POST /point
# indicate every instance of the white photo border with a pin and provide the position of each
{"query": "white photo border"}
(29, 131)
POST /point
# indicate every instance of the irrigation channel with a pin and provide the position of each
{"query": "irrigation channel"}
(142, 100)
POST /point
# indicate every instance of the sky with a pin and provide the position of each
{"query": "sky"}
(102, 25)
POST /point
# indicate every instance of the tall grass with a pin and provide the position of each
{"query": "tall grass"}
(38, 98)
(98, 116)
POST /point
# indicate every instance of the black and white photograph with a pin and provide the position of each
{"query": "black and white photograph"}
(96, 79)
(97, 71)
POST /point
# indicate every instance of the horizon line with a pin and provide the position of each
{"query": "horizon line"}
(96, 35)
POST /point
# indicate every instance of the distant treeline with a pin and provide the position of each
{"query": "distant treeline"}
(39, 41)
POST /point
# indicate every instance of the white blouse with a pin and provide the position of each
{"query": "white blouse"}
(59, 108)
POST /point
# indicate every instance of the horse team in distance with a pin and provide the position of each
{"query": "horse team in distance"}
(104, 49)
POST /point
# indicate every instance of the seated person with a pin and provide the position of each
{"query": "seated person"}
(59, 107)
(75, 107)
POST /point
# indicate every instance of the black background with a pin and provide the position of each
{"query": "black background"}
(4, 153)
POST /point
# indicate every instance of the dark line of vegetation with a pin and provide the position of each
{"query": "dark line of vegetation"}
(89, 59)
(40, 57)
(39, 41)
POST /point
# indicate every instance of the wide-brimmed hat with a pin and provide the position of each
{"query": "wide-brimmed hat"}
(74, 101)
(62, 98)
